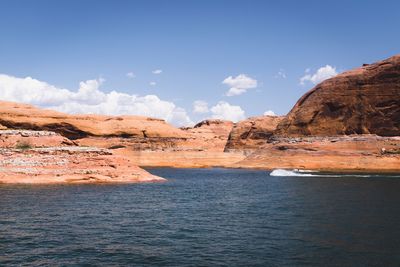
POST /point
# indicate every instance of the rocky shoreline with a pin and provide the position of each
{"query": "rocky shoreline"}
(30, 162)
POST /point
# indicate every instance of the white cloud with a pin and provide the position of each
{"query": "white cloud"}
(152, 83)
(239, 84)
(200, 107)
(281, 74)
(225, 111)
(89, 99)
(322, 74)
(130, 75)
(269, 113)
(157, 71)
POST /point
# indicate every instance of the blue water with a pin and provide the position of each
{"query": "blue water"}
(204, 217)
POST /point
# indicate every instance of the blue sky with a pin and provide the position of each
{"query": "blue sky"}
(196, 44)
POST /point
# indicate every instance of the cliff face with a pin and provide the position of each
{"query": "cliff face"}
(252, 133)
(365, 100)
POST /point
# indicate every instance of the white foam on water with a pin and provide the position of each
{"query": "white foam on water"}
(312, 173)
(283, 172)
(308, 171)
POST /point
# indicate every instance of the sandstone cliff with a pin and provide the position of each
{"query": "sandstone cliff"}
(252, 133)
(365, 100)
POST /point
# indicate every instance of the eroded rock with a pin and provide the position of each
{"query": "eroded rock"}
(365, 100)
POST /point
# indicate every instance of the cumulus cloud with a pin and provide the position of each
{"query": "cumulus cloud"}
(269, 113)
(320, 75)
(200, 107)
(239, 84)
(89, 99)
(130, 75)
(158, 71)
(225, 111)
(152, 83)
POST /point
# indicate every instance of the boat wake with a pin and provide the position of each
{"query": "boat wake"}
(283, 172)
(310, 173)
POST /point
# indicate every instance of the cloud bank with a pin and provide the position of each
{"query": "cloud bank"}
(89, 99)
(239, 84)
(320, 75)
(225, 111)
(200, 107)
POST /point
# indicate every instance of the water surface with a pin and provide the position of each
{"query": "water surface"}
(205, 217)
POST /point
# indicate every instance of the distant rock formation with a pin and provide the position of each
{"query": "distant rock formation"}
(22, 116)
(354, 153)
(252, 132)
(209, 135)
(365, 100)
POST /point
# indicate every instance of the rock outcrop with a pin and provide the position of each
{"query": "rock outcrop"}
(203, 147)
(146, 141)
(210, 135)
(46, 157)
(22, 116)
(32, 139)
(365, 100)
(252, 133)
(355, 153)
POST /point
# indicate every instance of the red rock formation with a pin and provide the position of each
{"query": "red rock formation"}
(47, 157)
(209, 135)
(252, 133)
(365, 100)
(32, 139)
(68, 165)
(147, 141)
(363, 153)
(22, 116)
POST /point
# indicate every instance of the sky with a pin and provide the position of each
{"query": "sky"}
(184, 61)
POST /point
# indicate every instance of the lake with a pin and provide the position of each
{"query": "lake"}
(205, 217)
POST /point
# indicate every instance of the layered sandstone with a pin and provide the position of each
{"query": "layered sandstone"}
(210, 135)
(345, 153)
(30, 139)
(203, 147)
(22, 116)
(47, 157)
(252, 133)
(146, 141)
(365, 100)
